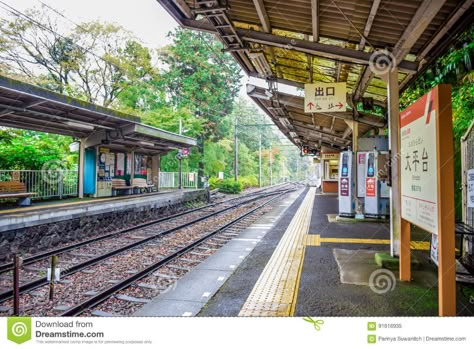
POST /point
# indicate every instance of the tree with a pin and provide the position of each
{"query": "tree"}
(95, 61)
(202, 79)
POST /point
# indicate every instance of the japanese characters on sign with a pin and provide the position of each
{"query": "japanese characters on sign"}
(344, 186)
(418, 163)
(470, 188)
(330, 156)
(370, 189)
(325, 97)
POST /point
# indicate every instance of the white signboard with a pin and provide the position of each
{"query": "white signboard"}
(419, 168)
(470, 188)
(325, 97)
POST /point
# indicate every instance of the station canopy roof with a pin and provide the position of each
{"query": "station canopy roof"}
(306, 41)
(29, 107)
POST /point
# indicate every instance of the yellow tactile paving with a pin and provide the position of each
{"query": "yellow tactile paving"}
(275, 290)
(317, 240)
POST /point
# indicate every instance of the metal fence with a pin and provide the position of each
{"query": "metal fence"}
(44, 183)
(169, 180)
(467, 154)
(467, 160)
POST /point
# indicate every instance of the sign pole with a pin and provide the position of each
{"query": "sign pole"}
(405, 253)
(446, 236)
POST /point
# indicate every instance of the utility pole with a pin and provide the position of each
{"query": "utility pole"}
(236, 150)
(260, 159)
(179, 156)
(271, 165)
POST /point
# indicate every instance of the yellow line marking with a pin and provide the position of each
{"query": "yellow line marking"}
(316, 240)
(275, 291)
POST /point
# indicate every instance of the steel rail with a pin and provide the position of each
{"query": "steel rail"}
(37, 257)
(105, 294)
(29, 286)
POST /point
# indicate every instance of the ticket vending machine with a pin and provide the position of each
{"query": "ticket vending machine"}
(377, 192)
(347, 185)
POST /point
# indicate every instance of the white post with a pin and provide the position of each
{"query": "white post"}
(80, 171)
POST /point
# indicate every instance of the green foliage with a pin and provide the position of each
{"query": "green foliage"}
(248, 181)
(201, 78)
(191, 81)
(29, 150)
(225, 185)
(455, 68)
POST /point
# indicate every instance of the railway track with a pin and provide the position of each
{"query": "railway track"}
(167, 244)
(4, 268)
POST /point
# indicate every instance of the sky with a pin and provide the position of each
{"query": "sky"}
(146, 19)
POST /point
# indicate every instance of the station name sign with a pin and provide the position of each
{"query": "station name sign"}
(418, 162)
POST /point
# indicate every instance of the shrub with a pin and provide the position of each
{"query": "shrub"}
(214, 182)
(225, 185)
(248, 181)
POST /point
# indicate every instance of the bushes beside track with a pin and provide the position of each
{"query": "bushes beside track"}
(230, 186)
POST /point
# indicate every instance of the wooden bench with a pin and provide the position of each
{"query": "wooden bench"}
(120, 185)
(141, 183)
(15, 189)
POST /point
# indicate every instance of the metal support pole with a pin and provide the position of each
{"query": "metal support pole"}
(180, 173)
(260, 160)
(81, 166)
(391, 77)
(271, 166)
(236, 150)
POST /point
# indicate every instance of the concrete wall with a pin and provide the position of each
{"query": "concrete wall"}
(39, 232)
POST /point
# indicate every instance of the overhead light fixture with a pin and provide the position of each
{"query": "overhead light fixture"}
(293, 134)
(79, 125)
(261, 65)
(147, 144)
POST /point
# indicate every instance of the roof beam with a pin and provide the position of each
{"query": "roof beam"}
(422, 18)
(184, 8)
(461, 9)
(262, 15)
(368, 24)
(314, 48)
(315, 19)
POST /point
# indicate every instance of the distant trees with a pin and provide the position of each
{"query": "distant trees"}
(190, 82)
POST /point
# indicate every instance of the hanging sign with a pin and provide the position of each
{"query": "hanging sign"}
(16, 176)
(325, 97)
(418, 164)
(330, 156)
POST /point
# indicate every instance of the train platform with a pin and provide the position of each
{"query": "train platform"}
(51, 211)
(297, 261)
